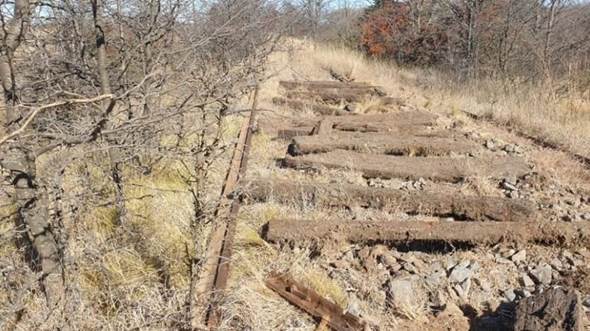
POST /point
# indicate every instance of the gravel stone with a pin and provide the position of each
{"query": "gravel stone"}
(354, 308)
(389, 260)
(542, 274)
(466, 286)
(508, 186)
(508, 253)
(556, 264)
(460, 272)
(519, 257)
(403, 291)
(450, 263)
(510, 295)
(526, 281)
(490, 144)
(510, 148)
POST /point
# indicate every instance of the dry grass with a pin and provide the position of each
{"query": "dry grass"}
(133, 275)
(560, 119)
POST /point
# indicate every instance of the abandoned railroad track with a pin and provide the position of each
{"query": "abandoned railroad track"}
(408, 146)
(399, 177)
(216, 266)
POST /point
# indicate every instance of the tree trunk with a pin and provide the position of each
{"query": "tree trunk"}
(547, 42)
(29, 195)
(105, 88)
(101, 54)
(45, 254)
(3, 114)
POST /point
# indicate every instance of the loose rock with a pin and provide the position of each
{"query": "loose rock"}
(519, 257)
(542, 274)
(460, 272)
(466, 286)
(556, 264)
(436, 275)
(507, 253)
(490, 144)
(527, 282)
(450, 263)
(554, 309)
(353, 308)
(568, 256)
(510, 295)
(390, 261)
(460, 292)
(404, 292)
(508, 186)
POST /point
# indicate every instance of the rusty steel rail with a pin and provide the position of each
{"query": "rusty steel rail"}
(216, 267)
(329, 313)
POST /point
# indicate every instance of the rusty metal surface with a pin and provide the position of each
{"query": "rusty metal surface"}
(216, 267)
(312, 303)
(223, 266)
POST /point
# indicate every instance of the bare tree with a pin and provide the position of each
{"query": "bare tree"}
(123, 86)
(29, 192)
(532, 39)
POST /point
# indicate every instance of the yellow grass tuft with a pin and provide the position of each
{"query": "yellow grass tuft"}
(160, 211)
(248, 237)
(326, 287)
(119, 270)
(102, 222)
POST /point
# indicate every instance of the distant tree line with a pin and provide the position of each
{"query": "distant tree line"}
(536, 39)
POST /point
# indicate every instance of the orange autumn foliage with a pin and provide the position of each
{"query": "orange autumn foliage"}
(389, 31)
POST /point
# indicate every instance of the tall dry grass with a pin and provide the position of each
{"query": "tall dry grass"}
(558, 114)
(133, 275)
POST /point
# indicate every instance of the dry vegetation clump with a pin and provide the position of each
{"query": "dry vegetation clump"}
(116, 129)
(560, 119)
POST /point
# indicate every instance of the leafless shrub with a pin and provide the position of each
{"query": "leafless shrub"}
(108, 104)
